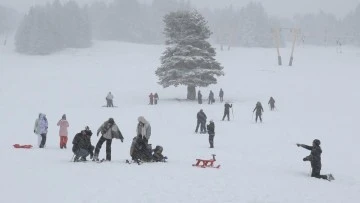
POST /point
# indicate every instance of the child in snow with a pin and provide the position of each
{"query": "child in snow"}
(211, 131)
(41, 129)
(63, 132)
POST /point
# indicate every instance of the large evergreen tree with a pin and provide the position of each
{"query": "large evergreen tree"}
(189, 58)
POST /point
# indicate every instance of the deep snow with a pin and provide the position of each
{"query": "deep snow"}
(316, 98)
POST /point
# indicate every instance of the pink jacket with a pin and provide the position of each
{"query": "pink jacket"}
(63, 127)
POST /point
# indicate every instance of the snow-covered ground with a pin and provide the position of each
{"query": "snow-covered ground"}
(318, 97)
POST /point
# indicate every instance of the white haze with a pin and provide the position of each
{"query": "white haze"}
(281, 8)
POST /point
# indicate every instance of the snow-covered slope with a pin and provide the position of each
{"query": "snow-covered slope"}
(316, 98)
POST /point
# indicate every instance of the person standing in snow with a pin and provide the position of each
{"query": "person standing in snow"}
(109, 100)
(63, 132)
(82, 145)
(108, 130)
(259, 109)
(143, 130)
(227, 111)
(37, 130)
(42, 129)
(156, 98)
(201, 121)
(211, 97)
(211, 131)
(199, 97)
(315, 159)
(151, 98)
(272, 103)
(221, 95)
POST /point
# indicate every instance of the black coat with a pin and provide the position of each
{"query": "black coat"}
(315, 156)
(201, 116)
(259, 109)
(271, 101)
(211, 128)
(82, 141)
(227, 107)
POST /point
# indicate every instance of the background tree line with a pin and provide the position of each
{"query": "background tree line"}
(45, 29)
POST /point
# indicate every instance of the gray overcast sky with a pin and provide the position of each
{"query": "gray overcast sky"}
(283, 8)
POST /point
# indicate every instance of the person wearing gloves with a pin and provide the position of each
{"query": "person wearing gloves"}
(108, 130)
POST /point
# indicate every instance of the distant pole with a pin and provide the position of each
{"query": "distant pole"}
(276, 35)
(295, 32)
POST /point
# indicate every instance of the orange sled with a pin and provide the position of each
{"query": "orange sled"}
(22, 146)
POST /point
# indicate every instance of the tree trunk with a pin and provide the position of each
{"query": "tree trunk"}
(191, 93)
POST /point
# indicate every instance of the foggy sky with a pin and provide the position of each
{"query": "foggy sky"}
(282, 8)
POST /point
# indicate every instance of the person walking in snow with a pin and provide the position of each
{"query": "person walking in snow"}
(37, 130)
(41, 128)
(143, 130)
(108, 130)
(201, 121)
(151, 97)
(211, 97)
(109, 100)
(315, 160)
(221, 95)
(156, 98)
(259, 109)
(227, 107)
(272, 103)
(82, 145)
(211, 131)
(199, 97)
(63, 132)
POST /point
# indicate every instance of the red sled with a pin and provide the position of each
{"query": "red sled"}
(22, 146)
(206, 163)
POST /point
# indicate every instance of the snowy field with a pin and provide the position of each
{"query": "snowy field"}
(318, 97)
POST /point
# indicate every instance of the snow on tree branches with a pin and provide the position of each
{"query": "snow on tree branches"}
(189, 58)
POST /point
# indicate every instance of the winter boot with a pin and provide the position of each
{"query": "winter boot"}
(330, 177)
(76, 158)
(95, 158)
(83, 159)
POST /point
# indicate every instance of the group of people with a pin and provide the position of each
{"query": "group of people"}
(211, 98)
(140, 150)
(154, 98)
(259, 109)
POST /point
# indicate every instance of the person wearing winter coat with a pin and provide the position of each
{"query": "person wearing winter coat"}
(109, 100)
(211, 131)
(221, 95)
(157, 155)
(63, 132)
(151, 98)
(143, 129)
(227, 107)
(199, 97)
(108, 130)
(315, 159)
(82, 145)
(37, 130)
(259, 109)
(201, 121)
(211, 97)
(41, 128)
(156, 98)
(272, 103)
